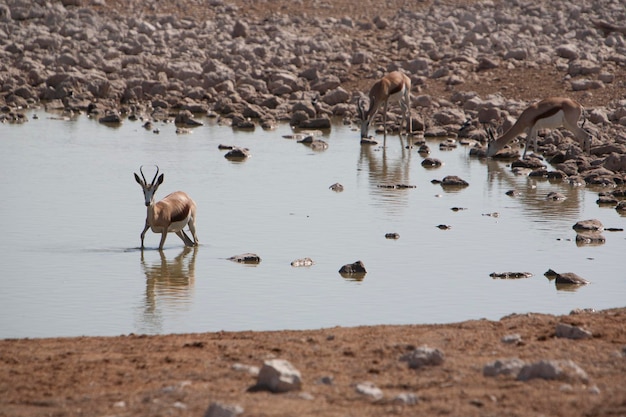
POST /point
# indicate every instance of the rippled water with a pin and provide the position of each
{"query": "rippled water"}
(72, 214)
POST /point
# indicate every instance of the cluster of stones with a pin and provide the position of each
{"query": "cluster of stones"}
(280, 376)
(263, 66)
(252, 71)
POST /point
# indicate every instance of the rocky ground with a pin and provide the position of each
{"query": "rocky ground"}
(266, 62)
(521, 365)
(258, 63)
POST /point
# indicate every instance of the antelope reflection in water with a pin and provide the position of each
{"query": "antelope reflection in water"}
(384, 169)
(168, 282)
(534, 192)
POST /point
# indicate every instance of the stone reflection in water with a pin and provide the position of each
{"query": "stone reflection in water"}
(168, 282)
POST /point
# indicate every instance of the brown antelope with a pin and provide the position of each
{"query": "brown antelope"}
(550, 113)
(394, 86)
(171, 214)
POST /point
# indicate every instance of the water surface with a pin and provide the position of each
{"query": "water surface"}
(72, 214)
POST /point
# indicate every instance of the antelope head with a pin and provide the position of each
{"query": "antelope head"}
(490, 141)
(365, 121)
(149, 190)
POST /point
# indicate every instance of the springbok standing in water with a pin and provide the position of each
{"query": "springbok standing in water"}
(394, 86)
(550, 113)
(171, 214)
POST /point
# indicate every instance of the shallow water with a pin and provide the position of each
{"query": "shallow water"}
(72, 214)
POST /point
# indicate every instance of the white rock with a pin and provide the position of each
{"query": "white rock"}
(553, 369)
(423, 356)
(223, 410)
(370, 390)
(503, 367)
(278, 375)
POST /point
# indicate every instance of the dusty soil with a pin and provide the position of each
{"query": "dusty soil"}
(183, 374)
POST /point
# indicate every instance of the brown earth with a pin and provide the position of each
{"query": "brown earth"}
(182, 374)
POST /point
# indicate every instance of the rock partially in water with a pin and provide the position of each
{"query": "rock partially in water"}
(246, 258)
(510, 275)
(336, 187)
(431, 163)
(592, 225)
(238, 154)
(353, 268)
(302, 262)
(453, 181)
(569, 278)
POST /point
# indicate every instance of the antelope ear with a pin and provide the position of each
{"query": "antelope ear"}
(138, 180)
(160, 180)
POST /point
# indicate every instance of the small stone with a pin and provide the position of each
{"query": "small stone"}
(237, 153)
(406, 398)
(223, 410)
(336, 187)
(278, 375)
(568, 331)
(453, 181)
(370, 390)
(423, 356)
(302, 262)
(570, 278)
(503, 367)
(353, 268)
(510, 339)
(246, 258)
(592, 225)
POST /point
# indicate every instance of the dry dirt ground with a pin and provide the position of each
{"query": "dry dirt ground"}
(182, 374)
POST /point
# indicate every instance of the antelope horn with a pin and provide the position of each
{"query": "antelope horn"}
(155, 175)
(142, 176)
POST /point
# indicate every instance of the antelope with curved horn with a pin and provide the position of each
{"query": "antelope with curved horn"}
(394, 86)
(550, 113)
(171, 214)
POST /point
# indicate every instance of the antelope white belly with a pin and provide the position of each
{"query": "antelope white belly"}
(552, 122)
(174, 227)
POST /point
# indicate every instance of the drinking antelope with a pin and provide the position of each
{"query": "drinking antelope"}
(394, 86)
(171, 214)
(550, 113)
